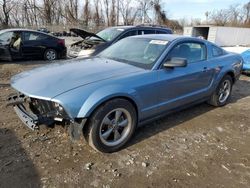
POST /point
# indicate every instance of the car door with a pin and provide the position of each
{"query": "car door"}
(5, 39)
(182, 85)
(32, 44)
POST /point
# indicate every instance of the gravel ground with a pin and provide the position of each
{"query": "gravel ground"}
(201, 146)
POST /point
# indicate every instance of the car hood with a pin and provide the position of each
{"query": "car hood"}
(84, 34)
(52, 80)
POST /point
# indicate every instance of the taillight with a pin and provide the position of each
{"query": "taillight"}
(61, 42)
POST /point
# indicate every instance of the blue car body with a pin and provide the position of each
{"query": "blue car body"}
(80, 86)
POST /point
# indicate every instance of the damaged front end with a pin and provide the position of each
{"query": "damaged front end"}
(85, 47)
(34, 112)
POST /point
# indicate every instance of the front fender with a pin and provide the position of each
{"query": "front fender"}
(103, 94)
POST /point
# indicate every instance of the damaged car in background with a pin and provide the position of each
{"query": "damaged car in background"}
(132, 82)
(92, 44)
(30, 44)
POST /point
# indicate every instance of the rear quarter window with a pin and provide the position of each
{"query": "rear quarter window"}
(216, 51)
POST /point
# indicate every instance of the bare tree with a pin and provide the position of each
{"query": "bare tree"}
(71, 9)
(161, 17)
(246, 12)
(97, 16)
(6, 6)
(128, 13)
(106, 5)
(144, 7)
(86, 12)
(113, 13)
(219, 17)
(234, 15)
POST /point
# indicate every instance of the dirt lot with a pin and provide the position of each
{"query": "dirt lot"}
(198, 147)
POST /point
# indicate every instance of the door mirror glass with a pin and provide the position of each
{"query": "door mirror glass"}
(175, 62)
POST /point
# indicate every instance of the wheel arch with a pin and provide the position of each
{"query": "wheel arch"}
(91, 104)
(232, 75)
(129, 99)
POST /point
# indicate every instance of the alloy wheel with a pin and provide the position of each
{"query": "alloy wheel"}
(51, 55)
(224, 91)
(115, 127)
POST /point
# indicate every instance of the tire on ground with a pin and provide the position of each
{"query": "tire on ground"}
(214, 99)
(50, 54)
(93, 127)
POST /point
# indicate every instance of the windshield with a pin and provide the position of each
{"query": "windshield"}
(108, 34)
(140, 52)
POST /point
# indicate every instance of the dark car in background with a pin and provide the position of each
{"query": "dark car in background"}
(24, 43)
(92, 44)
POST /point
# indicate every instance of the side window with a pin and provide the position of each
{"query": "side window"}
(145, 32)
(6, 37)
(128, 34)
(31, 36)
(191, 51)
(216, 51)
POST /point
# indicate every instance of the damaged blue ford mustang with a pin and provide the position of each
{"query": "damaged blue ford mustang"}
(133, 82)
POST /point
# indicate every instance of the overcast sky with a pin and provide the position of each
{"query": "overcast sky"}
(196, 8)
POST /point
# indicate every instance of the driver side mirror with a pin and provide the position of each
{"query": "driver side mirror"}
(175, 62)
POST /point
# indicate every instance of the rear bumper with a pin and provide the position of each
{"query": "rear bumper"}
(63, 54)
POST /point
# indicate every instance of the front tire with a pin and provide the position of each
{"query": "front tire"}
(50, 55)
(223, 92)
(112, 125)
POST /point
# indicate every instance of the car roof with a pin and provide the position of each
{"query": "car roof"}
(22, 29)
(141, 27)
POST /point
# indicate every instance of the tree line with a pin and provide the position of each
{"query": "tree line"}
(102, 13)
(37, 13)
(234, 15)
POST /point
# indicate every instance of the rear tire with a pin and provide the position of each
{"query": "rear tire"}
(111, 126)
(222, 93)
(50, 55)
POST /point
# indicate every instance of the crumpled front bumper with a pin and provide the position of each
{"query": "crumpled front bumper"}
(30, 119)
